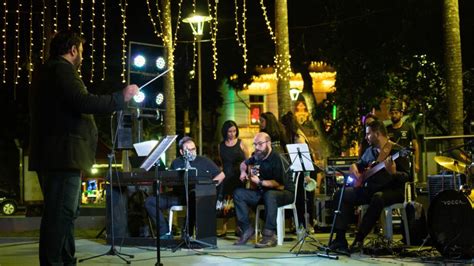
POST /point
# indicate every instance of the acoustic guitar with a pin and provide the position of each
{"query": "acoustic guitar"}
(368, 177)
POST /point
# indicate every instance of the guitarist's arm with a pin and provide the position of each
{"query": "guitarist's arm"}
(399, 170)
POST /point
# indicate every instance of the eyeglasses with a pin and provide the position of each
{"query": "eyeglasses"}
(255, 144)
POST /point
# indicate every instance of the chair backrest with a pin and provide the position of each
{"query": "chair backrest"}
(296, 184)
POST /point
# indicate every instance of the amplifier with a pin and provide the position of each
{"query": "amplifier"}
(340, 163)
(438, 183)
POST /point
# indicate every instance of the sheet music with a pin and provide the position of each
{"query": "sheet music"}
(144, 148)
(297, 162)
(157, 152)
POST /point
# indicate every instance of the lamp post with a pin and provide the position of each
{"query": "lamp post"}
(294, 93)
(197, 25)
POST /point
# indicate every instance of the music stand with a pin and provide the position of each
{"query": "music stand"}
(111, 157)
(301, 162)
(148, 163)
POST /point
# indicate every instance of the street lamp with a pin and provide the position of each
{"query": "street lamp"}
(197, 25)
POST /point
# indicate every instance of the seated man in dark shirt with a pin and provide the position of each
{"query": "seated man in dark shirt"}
(273, 189)
(384, 188)
(203, 166)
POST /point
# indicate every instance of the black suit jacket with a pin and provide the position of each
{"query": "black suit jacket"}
(63, 133)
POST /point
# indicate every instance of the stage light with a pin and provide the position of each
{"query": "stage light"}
(139, 61)
(159, 98)
(140, 97)
(160, 63)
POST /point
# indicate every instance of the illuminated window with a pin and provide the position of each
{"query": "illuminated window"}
(256, 108)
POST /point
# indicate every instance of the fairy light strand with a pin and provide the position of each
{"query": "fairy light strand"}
(91, 44)
(56, 15)
(194, 42)
(17, 45)
(104, 38)
(4, 41)
(81, 22)
(178, 23)
(31, 45)
(267, 21)
(244, 34)
(68, 3)
(43, 39)
(153, 23)
(123, 8)
(213, 29)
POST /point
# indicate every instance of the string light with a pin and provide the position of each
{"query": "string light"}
(17, 45)
(30, 54)
(68, 3)
(123, 8)
(244, 34)
(104, 38)
(56, 15)
(150, 15)
(4, 38)
(194, 41)
(92, 39)
(243, 43)
(43, 40)
(81, 10)
(267, 21)
(213, 29)
(178, 23)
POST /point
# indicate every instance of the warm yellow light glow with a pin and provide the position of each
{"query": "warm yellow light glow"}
(197, 23)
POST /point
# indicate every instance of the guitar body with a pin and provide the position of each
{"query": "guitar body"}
(375, 180)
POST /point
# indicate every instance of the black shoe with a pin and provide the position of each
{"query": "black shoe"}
(249, 233)
(340, 246)
(356, 247)
(224, 234)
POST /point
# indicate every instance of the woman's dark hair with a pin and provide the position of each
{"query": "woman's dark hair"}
(274, 128)
(225, 127)
(369, 115)
(291, 126)
(63, 41)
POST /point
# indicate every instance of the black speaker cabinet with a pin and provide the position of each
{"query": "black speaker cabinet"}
(438, 183)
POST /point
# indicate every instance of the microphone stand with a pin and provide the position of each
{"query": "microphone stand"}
(187, 239)
(336, 213)
(112, 251)
(157, 214)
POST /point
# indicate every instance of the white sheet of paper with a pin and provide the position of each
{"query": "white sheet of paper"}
(297, 162)
(144, 148)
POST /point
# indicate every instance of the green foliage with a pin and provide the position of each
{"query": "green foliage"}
(420, 84)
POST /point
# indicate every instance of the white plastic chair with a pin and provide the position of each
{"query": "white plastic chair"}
(388, 211)
(280, 216)
(173, 209)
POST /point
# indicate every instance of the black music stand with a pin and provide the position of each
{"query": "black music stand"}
(301, 162)
(148, 163)
(186, 238)
(112, 251)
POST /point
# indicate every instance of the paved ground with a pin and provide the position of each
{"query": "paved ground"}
(23, 251)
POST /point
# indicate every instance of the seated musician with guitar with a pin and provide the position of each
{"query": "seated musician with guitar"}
(273, 189)
(380, 176)
(203, 166)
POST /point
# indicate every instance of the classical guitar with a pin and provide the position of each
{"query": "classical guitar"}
(368, 176)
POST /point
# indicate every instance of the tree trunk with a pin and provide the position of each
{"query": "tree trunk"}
(323, 146)
(283, 66)
(168, 82)
(453, 62)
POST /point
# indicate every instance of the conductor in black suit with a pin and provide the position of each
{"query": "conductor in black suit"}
(63, 141)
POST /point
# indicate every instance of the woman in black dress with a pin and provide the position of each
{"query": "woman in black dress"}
(232, 151)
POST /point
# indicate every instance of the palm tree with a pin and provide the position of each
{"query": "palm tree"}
(283, 66)
(453, 62)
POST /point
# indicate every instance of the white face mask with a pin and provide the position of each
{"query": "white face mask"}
(189, 155)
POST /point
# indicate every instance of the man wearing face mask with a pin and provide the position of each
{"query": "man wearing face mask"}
(273, 188)
(188, 160)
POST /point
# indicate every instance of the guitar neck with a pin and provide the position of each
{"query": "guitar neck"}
(370, 172)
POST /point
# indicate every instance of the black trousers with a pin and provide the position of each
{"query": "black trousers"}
(359, 196)
(61, 191)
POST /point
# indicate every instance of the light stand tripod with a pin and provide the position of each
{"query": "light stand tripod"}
(301, 162)
(187, 239)
(112, 251)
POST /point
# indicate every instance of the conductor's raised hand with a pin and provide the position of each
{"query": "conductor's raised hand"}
(130, 91)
